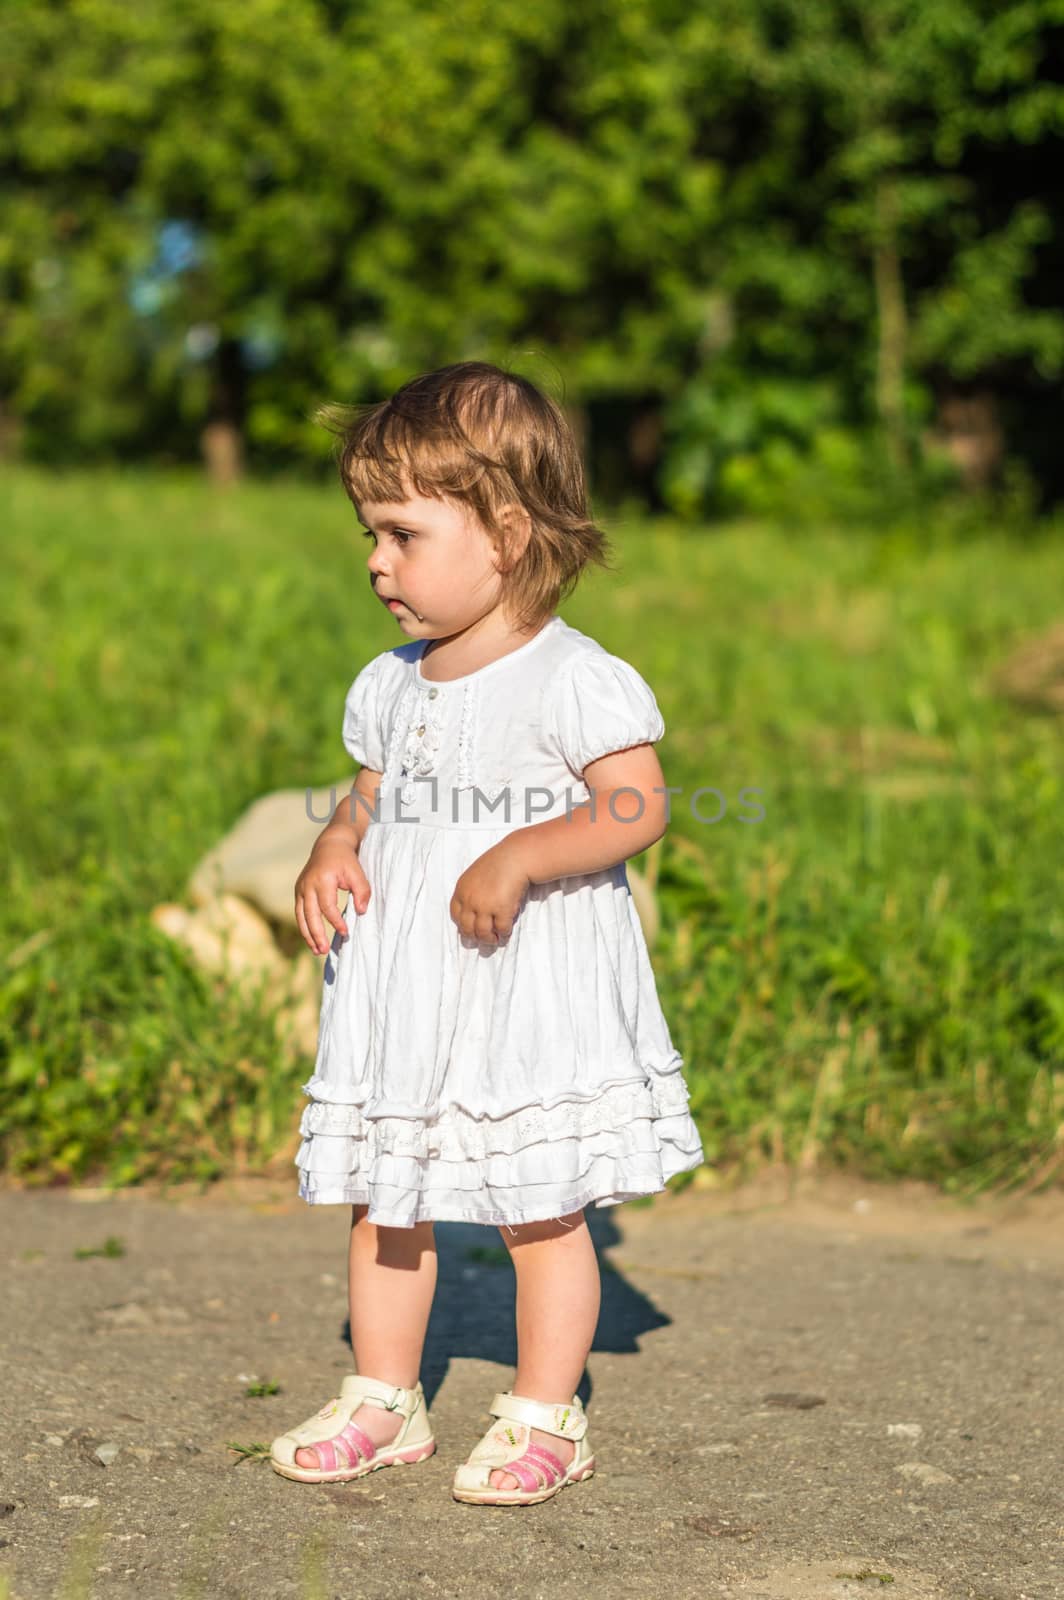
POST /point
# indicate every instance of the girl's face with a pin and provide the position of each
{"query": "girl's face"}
(432, 564)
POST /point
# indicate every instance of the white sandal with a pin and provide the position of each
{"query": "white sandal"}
(508, 1445)
(344, 1449)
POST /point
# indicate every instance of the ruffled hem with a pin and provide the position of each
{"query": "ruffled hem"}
(539, 1161)
(606, 1183)
(458, 1134)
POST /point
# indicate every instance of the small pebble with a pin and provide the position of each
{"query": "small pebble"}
(130, 1315)
(78, 1502)
(924, 1472)
(904, 1430)
(106, 1453)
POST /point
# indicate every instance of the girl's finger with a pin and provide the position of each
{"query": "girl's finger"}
(317, 927)
(301, 923)
(359, 894)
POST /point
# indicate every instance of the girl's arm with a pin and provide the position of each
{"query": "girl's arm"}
(593, 837)
(334, 865)
(352, 817)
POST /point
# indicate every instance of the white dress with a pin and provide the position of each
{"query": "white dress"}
(499, 1083)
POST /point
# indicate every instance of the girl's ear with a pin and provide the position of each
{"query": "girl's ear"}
(515, 523)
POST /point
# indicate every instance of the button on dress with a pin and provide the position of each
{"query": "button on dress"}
(499, 1083)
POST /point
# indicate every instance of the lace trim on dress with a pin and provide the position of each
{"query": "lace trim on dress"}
(465, 736)
(429, 1206)
(422, 738)
(459, 1136)
(418, 738)
(399, 727)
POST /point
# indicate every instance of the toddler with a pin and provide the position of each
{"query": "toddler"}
(491, 1048)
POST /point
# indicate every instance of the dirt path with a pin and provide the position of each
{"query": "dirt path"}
(800, 1393)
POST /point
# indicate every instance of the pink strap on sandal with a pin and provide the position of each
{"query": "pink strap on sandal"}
(344, 1450)
(540, 1473)
(356, 1444)
(536, 1469)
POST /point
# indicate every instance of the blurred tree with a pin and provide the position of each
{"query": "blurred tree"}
(766, 220)
(874, 222)
(915, 91)
(163, 166)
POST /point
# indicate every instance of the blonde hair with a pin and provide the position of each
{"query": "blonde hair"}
(474, 434)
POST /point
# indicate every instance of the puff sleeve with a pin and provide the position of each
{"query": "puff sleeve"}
(600, 705)
(362, 731)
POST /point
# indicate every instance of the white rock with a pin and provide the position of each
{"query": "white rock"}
(924, 1472)
(130, 1315)
(230, 939)
(106, 1453)
(78, 1502)
(226, 936)
(264, 852)
(904, 1430)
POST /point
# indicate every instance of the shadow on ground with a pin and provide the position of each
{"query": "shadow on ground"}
(790, 1397)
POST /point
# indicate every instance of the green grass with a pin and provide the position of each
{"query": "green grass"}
(111, 1247)
(868, 978)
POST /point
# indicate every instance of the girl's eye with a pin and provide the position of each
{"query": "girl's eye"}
(396, 533)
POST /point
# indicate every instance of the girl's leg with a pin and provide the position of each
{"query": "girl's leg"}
(391, 1282)
(559, 1293)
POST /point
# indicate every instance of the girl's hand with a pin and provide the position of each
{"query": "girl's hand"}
(332, 866)
(488, 895)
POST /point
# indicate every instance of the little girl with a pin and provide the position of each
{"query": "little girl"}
(491, 1047)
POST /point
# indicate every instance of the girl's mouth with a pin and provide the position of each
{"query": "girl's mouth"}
(400, 605)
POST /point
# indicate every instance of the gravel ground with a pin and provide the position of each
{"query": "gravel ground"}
(796, 1392)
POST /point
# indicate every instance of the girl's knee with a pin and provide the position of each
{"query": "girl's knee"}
(548, 1228)
(420, 1230)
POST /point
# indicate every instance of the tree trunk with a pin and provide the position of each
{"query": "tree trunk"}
(892, 324)
(222, 439)
(223, 454)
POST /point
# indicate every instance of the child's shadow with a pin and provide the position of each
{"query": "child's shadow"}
(473, 1312)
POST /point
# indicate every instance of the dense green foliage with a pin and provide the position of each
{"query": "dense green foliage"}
(763, 224)
(868, 977)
